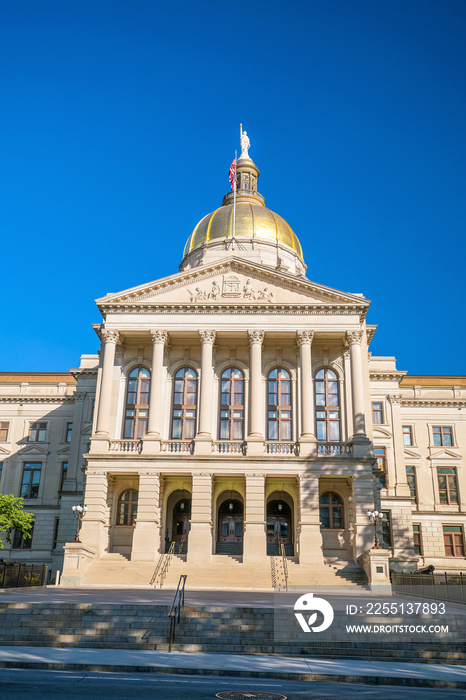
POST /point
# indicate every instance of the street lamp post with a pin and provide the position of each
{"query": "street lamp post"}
(374, 516)
(79, 512)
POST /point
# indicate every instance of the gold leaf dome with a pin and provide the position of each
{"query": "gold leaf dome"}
(253, 221)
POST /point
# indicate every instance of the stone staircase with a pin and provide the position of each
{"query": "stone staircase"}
(225, 572)
(214, 629)
(232, 549)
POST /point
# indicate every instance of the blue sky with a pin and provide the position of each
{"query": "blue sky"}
(119, 121)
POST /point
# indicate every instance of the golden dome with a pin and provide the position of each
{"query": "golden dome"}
(253, 221)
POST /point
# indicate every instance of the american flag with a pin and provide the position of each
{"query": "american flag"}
(232, 174)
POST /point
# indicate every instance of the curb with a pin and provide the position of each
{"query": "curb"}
(309, 677)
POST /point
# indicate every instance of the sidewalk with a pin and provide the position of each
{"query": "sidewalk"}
(285, 667)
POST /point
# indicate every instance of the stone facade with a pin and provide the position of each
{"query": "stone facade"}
(287, 459)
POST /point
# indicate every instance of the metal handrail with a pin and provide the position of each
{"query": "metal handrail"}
(175, 610)
(162, 565)
(284, 564)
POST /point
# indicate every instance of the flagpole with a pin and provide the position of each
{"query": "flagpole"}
(234, 208)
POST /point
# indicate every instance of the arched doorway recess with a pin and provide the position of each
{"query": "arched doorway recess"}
(180, 526)
(279, 528)
(230, 527)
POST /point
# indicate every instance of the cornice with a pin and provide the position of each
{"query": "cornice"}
(37, 399)
(381, 376)
(454, 403)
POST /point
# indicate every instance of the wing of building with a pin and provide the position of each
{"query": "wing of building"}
(235, 410)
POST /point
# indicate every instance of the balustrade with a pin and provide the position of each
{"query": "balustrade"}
(128, 446)
(178, 446)
(229, 447)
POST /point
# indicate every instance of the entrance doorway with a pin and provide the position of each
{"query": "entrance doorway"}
(279, 528)
(230, 528)
(181, 525)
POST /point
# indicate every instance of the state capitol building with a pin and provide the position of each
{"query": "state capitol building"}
(233, 413)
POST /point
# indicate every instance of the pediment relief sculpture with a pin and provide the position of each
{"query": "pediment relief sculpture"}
(232, 288)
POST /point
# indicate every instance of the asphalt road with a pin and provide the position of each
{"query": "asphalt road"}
(25, 684)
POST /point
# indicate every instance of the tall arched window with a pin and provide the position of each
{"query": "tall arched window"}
(184, 404)
(127, 507)
(327, 406)
(232, 405)
(137, 403)
(331, 511)
(279, 405)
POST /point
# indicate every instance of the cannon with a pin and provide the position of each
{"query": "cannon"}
(426, 570)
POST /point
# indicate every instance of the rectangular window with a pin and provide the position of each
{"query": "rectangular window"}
(381, 465)
(386, 529)
(37, 432)
(447, 486)
(453, 541)
(55, 533)
(417, 539)
(407, 435)
(64, 471)
(4, 431)
(442, 435)
(69, 430)
(22, 543)
(377, 415)
(31, 479)
(411, 479)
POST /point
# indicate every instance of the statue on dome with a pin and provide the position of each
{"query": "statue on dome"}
(245, 144)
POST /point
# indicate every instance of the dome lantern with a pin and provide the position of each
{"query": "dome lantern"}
(260, 234)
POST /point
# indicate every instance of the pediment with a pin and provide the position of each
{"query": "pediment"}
(64, 451)
(231, 283)
(87, 430)
(34, 450)
(4, 451)
(411, 454)
(381, 432)
(444, 454)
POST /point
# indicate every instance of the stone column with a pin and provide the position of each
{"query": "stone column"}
(146, 537)
(94, 529)
(154, 424)
(109, 340)
(203, 440)
(255, 540)
(307, 394)
(200, 533)
(310, 537)
(359, 423)
(347, 395)
(401, 483)
(256, 394)
(74, 457)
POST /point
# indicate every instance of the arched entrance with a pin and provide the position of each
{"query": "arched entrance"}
(230, 527)
(181, 524)
(279, 528)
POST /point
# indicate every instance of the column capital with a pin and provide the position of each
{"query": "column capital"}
(305, 337)
(256, 337)
(109, 335)
(354, 337)
(207, 337)
(79, 396)
(159, 337)
(394, 399)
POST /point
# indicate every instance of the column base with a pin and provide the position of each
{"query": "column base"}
(375, 563)
(145, 546)
(75, 562)
(308, 446)
(151, 444)
(310, 545)
(255, 445)
(200, 543)
(362, 446)
(203, 445)
(99, 445)
(254, 543)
